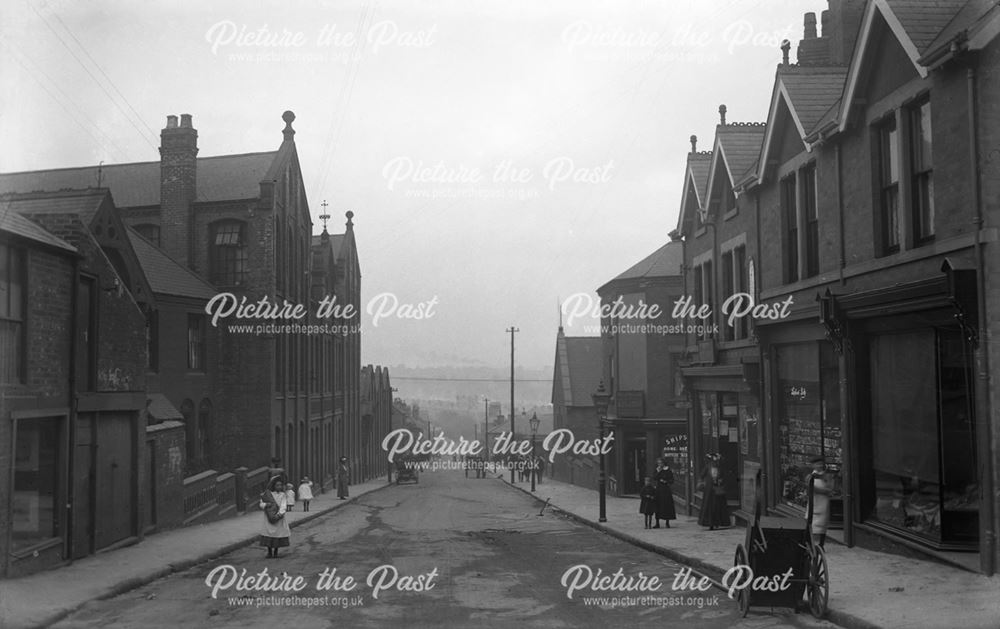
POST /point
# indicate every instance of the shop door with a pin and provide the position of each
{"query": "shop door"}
(729, 445)
(635, 465)
(115, 471)
(83, 493)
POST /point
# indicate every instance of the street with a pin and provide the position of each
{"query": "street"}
(450, 551)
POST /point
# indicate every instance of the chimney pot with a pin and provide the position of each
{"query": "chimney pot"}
(722, 114)
(694, 144)
(171, 122)
(186, 121)
(810, 26)
(785, 47)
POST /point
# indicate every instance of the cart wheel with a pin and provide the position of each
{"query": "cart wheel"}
(819, 583)
(742, 596)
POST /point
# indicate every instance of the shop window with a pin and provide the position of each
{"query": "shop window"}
(923, 442)
(35, 517)
(228, 253)
(808, 414)
(13, 349)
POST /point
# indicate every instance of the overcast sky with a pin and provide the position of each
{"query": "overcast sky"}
(497, 156)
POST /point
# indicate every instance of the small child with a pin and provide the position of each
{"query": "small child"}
(305, 492)
(647, 501)
(290, 495)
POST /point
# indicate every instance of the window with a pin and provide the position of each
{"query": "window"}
(888, 153)
(196, 342)
(13, 350)
(740, 286)
(703, 295)
(205, 429)
(811, 212)
(279, 253)
(728, 331)
(150, 232)
(228, 254)
(789, 210)
(922, 172)
(35, 516)
(152, 340)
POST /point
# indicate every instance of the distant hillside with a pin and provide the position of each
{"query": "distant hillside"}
(532, 387)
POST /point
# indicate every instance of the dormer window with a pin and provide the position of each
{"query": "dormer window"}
(228, 253)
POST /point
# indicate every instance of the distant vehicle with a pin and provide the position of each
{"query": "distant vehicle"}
(406, 471)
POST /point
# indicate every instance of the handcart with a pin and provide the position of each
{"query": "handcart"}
(772, 546)
(406, 470)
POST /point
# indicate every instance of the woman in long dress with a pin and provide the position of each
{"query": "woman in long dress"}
(275, 534)
(714, 510)
(343, 478)
(665, 509)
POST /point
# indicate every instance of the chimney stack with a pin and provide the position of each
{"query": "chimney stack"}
(722, 115)
(178, 188)
(785, 47)
(845, 22)
(694, 143)
(809, 26)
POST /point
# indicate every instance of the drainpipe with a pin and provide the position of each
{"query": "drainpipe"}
(72, 438)
(988, 544)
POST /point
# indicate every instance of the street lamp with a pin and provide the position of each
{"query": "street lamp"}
(601, 399)
(534, 463)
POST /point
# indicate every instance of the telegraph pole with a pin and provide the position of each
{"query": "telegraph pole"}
(512, 330)
(486, 424)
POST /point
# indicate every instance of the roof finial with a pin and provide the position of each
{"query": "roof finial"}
(325, 216)
(722, 115)
(694, 143)
(559, 308)
(288, 131)
(349, 216)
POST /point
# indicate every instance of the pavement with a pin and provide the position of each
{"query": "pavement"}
(868, 589)
(43, 598)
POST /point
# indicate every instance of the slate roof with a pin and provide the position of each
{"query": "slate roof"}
(740, 144)
(13, 223)
(700, 164)
(83, 203)
(924, 20)
(160, 408)
(580, 367)
(165, 276)
(812, 91)
(664, 262)
(220, 178)
(967, 18)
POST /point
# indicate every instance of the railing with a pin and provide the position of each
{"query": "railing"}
(200, 496)
(226, 494)
(256, 483)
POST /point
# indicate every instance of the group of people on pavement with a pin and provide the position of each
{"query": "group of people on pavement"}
(279, 497)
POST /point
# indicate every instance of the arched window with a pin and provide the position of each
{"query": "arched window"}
(205, 430)
(190, 432)
(277, 443)
(228, 253)
(279, 254)
(150, 232)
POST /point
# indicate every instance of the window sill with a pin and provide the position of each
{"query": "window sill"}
(700, 232)
(33, 550)
(730, 214)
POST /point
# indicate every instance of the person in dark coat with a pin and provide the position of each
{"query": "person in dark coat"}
(647, 501)
(665, 509)
(714, 510)
(343, 478)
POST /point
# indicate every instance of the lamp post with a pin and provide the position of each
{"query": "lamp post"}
(601, 399)
(534, 463)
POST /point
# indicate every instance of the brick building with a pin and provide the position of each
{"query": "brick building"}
(575, 376)
(237, 224)
(873, 210)
(73, 377)
(639, 365)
